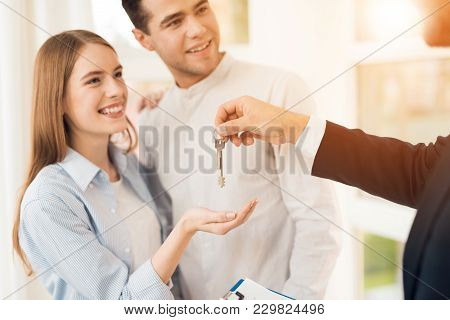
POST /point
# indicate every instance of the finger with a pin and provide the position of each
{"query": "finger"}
(225, 110)
(146, 101)
(236, 141)
(235, 137)
(250, 212)
(219, 217)
(245, 212)
(139, 106)
(235, 126)
(242, 217)
(226, 138)
(247, 138)
(158, 95)
(215, 223)
(152, 104)
(216, 226)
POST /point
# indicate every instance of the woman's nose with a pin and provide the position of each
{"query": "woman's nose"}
(115, 87)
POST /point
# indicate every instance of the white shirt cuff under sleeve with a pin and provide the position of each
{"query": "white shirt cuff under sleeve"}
(309, 141)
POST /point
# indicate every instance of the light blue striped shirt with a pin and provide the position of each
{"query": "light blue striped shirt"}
(72, 234)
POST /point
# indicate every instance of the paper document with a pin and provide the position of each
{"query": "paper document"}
(246, 289)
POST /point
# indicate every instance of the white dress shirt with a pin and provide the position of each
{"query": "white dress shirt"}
(309, 141)
(289, 244)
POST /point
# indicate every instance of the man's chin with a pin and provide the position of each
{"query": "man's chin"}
(205, 67)
(201, 73)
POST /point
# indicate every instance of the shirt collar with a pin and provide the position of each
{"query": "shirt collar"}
(219, 73)
(83, 171)
(80, 169)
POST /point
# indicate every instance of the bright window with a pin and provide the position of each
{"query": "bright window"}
(401, 91)
(382, 278)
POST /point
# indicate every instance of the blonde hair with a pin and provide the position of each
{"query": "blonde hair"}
(50, 133)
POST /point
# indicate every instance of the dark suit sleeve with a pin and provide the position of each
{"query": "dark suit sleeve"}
(385, 167)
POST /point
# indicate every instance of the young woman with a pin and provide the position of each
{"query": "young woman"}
(91, 217)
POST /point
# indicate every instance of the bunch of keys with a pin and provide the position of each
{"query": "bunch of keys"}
(219, 144)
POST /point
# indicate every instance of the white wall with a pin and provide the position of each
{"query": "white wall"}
(14, 83)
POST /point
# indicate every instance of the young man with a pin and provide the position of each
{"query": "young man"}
(292, 242)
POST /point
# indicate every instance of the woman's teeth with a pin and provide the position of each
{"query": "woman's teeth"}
(111, 110)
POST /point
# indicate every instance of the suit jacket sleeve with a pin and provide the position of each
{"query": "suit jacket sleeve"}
(385, 167)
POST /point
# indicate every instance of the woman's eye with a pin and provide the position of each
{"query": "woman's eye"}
(94, 81)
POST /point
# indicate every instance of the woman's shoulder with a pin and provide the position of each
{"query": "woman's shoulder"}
(51, 183)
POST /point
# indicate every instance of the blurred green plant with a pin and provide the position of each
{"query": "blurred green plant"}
(377, 270)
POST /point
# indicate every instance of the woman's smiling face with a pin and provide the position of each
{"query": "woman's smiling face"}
(96, 95)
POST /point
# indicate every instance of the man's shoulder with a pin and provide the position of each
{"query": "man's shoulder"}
(262, 71)
(272, 84)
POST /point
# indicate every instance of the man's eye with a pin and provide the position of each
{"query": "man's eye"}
(118, 74)
(202, 10)
(93, 81)
(174, 23)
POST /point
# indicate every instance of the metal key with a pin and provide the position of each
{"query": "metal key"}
(219, 144)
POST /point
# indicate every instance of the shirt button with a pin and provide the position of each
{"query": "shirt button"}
(113, 210)
(91, 186)
(127, 250)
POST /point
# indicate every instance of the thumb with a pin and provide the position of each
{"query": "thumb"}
(235, 126)
(219, 217)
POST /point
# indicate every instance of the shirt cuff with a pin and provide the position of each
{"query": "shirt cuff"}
(145, 284)
(309, 141)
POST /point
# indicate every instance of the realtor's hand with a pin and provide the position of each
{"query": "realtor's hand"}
(245, 119)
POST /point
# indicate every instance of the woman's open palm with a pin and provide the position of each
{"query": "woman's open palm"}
(202, 219)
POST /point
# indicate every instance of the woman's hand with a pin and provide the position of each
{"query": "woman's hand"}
(169, 254)
(201, 219)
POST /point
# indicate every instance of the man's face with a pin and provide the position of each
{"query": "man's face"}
(437, 26)
(185, 34)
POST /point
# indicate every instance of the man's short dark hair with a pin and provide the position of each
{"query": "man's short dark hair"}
(137, 14)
